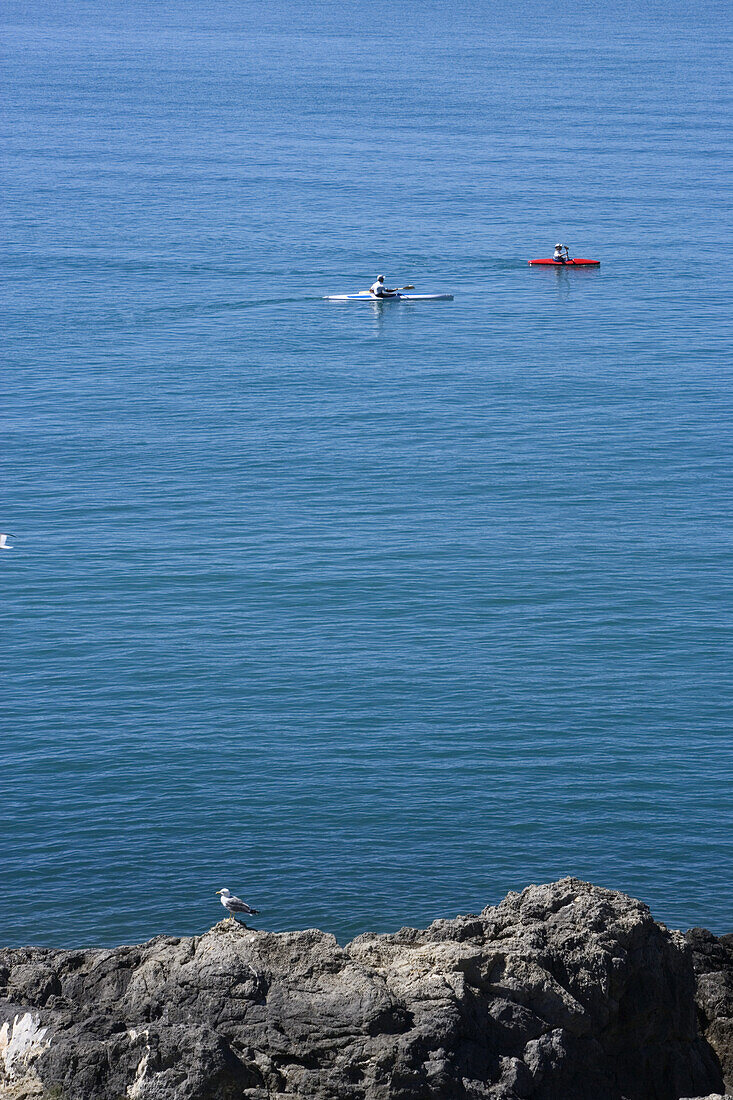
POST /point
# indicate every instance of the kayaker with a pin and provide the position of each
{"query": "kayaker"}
(561, 254)
(379, 290)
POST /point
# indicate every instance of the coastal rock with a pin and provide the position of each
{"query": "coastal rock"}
(713, 962)
(563, 992)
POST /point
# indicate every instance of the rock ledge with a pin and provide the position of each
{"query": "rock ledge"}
(563, 992)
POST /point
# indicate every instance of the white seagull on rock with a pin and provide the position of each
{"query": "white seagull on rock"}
(4, 544)
(234, 905)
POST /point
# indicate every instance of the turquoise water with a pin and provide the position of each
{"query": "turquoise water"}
(370, 613)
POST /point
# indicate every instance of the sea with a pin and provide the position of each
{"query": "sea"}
(368, 612)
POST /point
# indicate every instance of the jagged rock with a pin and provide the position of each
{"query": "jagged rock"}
(713, 962)
(562, 992)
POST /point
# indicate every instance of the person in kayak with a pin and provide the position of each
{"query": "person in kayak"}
(561, 254)
(379, 290)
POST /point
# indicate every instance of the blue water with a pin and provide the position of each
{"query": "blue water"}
(368, 613)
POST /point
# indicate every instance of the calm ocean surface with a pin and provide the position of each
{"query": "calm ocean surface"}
(368, 613)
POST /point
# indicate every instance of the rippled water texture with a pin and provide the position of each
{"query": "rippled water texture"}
(368, 613)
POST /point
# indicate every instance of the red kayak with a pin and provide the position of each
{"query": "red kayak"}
(568, 263)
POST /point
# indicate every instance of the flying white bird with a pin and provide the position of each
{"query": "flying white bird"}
(235, 905)
(4, 544)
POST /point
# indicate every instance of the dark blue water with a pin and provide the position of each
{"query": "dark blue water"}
(368, 613)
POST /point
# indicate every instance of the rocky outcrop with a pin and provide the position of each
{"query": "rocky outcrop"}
(713, 962)
(562, 992)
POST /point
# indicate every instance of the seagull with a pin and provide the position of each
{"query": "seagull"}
(4, 545)
(235, 905)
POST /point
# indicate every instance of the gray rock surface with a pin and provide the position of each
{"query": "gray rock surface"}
(563, 992)
(713, 962)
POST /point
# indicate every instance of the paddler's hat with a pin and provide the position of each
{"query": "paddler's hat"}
(558, 246)
(380, 278)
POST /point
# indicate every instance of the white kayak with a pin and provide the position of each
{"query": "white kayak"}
(365, 296)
